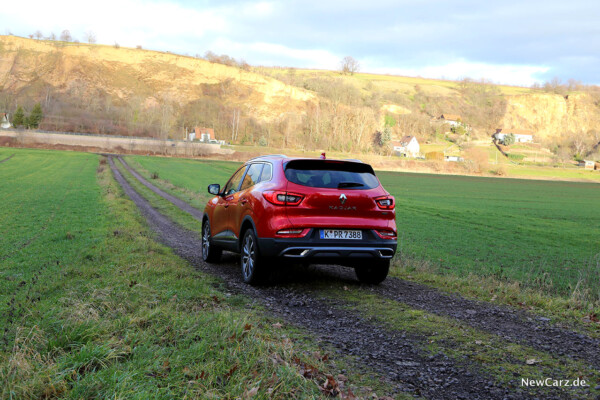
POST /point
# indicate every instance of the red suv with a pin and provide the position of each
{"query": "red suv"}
(276, 208)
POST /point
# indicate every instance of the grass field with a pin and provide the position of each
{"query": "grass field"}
(92, 307)
(401, 83)
(540, 233)
(537, 232)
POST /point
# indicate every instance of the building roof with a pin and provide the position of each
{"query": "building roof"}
(451, 117)
(395, 143)
(406, 140)
(514, 131)
(200, 130)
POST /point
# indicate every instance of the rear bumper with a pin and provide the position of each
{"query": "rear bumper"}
(314, 249)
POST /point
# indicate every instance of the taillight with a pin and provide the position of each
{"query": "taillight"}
(283, 198)
(386, 233)
(293, 232)
(385, 202)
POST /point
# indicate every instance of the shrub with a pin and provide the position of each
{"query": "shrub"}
(479, 159)
(516, 157)
(509, 139)
(500, 170)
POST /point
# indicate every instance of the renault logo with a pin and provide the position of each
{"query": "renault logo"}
(343, 198)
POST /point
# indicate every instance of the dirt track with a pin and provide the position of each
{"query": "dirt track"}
(7, 158)
(393, 354)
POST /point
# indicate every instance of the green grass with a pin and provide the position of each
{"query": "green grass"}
(92, 307)
(187, 179)
(557, 173)
(5, 152)
(540, 233)
(537, 232)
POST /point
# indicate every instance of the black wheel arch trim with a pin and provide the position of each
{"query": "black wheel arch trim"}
(244, 220)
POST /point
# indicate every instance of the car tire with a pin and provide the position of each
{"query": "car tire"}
(374, 273)
(254, 267)
(210, 252)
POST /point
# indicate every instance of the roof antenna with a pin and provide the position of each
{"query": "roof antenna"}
(322, 155)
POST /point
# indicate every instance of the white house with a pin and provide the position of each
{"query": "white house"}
(587, 164)
(408, 146)
(451, 119)
(5, 124)
(206, 135)
(521, 135)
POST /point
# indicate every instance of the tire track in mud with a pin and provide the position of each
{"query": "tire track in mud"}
(508, 323)
(395, 355)
(194, 212)
(7, 158)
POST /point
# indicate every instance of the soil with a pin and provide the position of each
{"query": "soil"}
(396, 356)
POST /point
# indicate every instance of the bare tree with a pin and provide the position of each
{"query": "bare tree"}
(52, 36)
(65, 36)
(90, 37)
(349, 65)
(235, 124)
(38, 34)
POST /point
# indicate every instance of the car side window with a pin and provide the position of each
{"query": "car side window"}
(252, 176)
(266, 173)
(234, 182)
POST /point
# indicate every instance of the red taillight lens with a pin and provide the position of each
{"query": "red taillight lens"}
(386, 234)
(283, 198)
(385, 202)
(293, 232)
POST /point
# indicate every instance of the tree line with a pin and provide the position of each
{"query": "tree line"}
(31, 121)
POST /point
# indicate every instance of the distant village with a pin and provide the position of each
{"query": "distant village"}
(407, 146)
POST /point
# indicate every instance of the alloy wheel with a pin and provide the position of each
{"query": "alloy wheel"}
(248, 256)
(206, 241)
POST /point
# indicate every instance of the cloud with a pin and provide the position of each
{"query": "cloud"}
(271, 54)
(126, 21)
(521, 41)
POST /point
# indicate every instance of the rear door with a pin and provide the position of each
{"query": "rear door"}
(337, 194)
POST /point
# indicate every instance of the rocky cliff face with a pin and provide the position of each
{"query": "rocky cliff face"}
(552, 115)
(150, 76)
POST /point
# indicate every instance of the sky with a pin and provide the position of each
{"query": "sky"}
(510, 42)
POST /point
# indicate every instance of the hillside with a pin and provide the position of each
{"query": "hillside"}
(100, 79)
(113, 90)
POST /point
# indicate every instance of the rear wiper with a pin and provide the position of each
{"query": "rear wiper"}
(349, 184)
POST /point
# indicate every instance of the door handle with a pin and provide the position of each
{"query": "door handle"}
(243, 201)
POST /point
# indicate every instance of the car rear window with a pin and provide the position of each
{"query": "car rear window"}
(331, 174)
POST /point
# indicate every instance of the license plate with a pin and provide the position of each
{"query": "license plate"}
(340, 234)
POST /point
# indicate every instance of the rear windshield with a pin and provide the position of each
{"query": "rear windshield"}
(331, 174)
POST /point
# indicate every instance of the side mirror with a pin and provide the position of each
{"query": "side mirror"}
(215, 189)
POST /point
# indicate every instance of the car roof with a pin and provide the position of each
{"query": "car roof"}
(283, 158)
